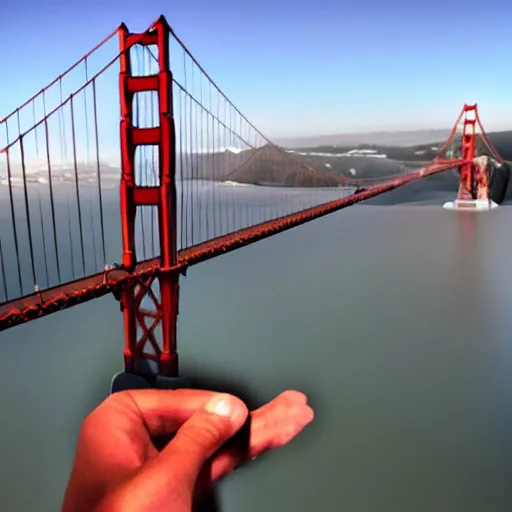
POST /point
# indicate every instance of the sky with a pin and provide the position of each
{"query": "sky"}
(293, 68)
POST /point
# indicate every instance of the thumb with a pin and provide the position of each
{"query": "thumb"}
(203, 435)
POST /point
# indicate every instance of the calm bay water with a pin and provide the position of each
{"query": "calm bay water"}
(395, 320)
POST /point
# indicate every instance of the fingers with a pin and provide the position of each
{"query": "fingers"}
(175, 470)
(279, 421)
(204, 434)
(204, 422)
(272, 426)
(163, 411)
(135, 416)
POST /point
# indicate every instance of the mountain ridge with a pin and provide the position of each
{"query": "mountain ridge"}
(399, 138)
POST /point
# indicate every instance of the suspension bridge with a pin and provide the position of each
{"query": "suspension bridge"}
(176, 163)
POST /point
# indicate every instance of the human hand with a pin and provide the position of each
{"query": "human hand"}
(118, 468)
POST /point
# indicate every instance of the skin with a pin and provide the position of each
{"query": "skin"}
(118, 468)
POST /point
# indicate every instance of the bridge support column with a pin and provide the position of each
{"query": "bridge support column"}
(466, 172)
(150, 360)
(473, 174)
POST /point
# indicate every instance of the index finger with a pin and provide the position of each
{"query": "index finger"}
(160, 411)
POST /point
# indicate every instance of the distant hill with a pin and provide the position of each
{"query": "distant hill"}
(212, 166)
(397, 138)
(320, 165)
(271, 165)
(397, 145)
(502, 141)
(370, 161)
(422, 151)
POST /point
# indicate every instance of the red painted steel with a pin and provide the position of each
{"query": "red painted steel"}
(77, 292)
(165, 312)
(473, 177)
(467, 171)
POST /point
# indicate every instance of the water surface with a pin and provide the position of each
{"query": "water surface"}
(394, 320)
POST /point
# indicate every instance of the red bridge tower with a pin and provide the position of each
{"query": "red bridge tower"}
(147, 362)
